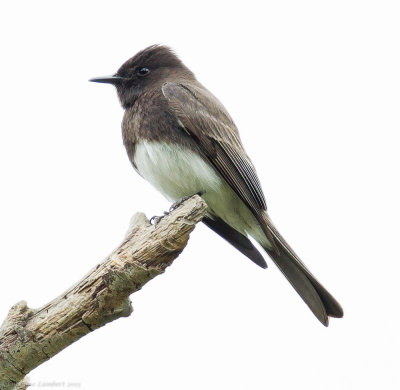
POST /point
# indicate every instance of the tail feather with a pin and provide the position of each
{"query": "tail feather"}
(318, 299)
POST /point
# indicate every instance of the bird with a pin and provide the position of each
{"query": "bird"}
(182, 140)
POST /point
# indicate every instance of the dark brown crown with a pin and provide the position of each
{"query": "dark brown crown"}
(155, 56)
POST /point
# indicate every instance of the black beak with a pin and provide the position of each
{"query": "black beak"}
(115, 79)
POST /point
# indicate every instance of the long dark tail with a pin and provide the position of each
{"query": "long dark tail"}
(318, 299)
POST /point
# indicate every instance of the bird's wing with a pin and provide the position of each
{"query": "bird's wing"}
(206, 120)
(238, 240)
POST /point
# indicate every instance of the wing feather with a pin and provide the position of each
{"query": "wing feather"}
(214, 131)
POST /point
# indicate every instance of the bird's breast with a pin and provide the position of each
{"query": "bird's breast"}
(178, 171)
(174, 170)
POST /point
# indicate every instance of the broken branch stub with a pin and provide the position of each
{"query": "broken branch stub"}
(30, 337)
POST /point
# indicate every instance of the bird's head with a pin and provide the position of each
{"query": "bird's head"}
(147, 69)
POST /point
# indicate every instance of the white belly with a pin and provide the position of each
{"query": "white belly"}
(174, 171)
(178, 172)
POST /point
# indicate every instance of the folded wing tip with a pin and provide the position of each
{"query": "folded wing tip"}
(263, 264)
(337, 313)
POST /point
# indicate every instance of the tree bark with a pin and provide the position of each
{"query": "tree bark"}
(30, 337)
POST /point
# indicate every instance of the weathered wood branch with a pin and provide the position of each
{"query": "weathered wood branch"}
(30, 337)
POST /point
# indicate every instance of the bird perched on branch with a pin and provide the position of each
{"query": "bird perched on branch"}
(181, 139)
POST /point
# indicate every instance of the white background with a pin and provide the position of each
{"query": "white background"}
(314, 89)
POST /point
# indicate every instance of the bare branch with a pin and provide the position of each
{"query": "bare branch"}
(30, 337)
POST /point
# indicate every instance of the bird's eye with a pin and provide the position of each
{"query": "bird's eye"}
(143, 71)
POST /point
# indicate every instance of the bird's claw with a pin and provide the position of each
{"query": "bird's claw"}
(176, 204)
(157, 218)
(179, 202)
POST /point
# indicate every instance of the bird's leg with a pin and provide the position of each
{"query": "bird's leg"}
(176, 204)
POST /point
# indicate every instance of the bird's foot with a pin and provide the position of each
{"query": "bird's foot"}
(176, 204)
(157, 218)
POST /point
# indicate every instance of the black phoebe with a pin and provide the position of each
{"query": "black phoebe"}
(181, 139)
